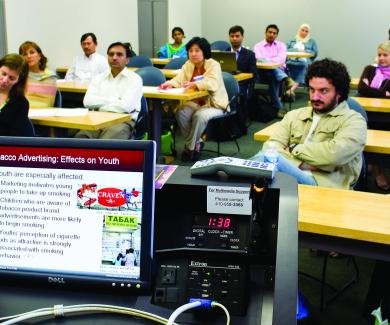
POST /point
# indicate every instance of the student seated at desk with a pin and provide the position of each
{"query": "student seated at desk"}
(272, 50)
(87, 65)
(175, 50)
(41, 86)
(13, 104)
(375, 82)
(297, 67)
(322, 144)
(200, 72)
(117, 90)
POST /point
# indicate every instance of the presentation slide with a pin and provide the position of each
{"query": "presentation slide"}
(71, 210)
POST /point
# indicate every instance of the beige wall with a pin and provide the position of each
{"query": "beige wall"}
(346, 30)
(57, 25)
(187, 15)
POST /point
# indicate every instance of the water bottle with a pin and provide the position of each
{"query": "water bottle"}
(271, 154)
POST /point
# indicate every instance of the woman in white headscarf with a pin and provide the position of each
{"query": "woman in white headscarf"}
(297, 67)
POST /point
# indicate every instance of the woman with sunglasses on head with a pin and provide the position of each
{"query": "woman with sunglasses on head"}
(41, 86)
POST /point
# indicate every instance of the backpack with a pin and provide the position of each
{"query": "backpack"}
(260, 108)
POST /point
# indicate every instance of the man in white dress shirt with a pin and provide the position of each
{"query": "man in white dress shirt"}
(87, 65)
(117, 90)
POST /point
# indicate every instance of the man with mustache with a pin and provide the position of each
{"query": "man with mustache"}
(322, 144)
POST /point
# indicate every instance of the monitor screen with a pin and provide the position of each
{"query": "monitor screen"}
(77, 211)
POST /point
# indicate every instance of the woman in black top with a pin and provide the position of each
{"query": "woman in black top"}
(13, 105)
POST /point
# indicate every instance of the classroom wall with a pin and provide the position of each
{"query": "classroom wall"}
(186, 14)
(346, 30)
(58, 25)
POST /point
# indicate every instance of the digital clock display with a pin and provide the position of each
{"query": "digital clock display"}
(214, 221)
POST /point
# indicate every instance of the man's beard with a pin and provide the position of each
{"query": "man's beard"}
(326, 109)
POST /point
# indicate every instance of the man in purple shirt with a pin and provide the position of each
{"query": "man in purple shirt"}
(272, 50)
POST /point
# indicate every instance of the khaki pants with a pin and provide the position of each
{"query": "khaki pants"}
(193, 120)
(121, 131)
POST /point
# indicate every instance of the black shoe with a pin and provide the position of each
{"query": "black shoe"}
(198, 151)
(187, 155)
(288, 97)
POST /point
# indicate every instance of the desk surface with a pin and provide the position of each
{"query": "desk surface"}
(343, 217)
(378, 141)
(299, 55)
(91, 121)
(171, 73)
(159, 61)
(381, 105)
(268, 65)
(72, 86)
(148, 91)
(354, 83)
(152, 92)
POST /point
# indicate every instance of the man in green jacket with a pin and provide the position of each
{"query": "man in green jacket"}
(322, 144)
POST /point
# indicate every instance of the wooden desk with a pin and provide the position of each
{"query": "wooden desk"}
(268, 65)
(158, 61)
(62, 70)
(243, 76)
(348, 214)
(149, 92)
(378, 141)
(92, 121)
(152, 92)
(72, 87)
(343, 216)
(299, 55)
(378, 105)
(354, 83)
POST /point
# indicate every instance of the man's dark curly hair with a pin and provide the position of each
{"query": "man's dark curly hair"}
(333, 71)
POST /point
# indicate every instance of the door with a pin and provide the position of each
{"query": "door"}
(152, 26)
(3, 45)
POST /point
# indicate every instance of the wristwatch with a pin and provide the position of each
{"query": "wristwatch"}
(292, 146)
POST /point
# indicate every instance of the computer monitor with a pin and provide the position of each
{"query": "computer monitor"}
(77, 212)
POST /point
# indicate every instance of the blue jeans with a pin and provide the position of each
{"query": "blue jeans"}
(285, 166)
(297, 69)
(273, 78)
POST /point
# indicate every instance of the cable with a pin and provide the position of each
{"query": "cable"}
(194, 303)
(182, 309)
(59, 311)
(217, 304)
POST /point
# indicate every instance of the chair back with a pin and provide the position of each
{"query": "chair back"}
(353, 104)
(361, 183)
(151, 76)
(220, 45)
(141, 125)
(175, 63)
(140, 61)
(27, 129)
(58, 99)
(232, 89)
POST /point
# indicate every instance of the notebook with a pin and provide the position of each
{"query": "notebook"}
(227, 60)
